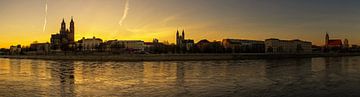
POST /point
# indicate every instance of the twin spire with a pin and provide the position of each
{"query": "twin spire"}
(63, 25)
(183, 32)
(72, 20)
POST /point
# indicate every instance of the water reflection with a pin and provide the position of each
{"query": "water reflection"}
(247, 78)
(62, 74)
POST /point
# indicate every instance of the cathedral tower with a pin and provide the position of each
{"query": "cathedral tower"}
(63, 26)
(183, 35)
(72, 30)
(327, 39)
(346, 43)
(177, 37)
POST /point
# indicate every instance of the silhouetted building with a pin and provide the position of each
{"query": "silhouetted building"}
(89, 44)
(182, 43)
(354, 48)
(287, 46)
(55, 41)
(4, 51)
(335, 45)
(153, 47)
(205, 46)
(128, 45)
(40, 48)
(202, 45)
(15, 49)
(346, 43)
(330, 43)
(64, 40)
(243, 46)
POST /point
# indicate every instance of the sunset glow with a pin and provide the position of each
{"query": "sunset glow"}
(22, 21)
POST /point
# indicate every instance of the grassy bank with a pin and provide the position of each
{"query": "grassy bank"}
(175, 57)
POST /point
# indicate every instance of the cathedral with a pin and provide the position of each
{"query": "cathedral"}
(335, 43)
(64, 40)
(182, 43)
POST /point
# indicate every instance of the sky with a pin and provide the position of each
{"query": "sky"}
(22, 21)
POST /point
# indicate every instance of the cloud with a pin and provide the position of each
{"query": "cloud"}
(46, 11)
(126, 9)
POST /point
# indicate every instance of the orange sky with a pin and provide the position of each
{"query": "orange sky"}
(22, 21)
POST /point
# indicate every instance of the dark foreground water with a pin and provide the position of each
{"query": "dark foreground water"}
(308, 77)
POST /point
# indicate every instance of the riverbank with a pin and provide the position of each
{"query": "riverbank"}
(175, 57)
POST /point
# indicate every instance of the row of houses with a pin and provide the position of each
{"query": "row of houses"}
(84, 44)
(268, 46)
(242, 45)
(203, 46)
(97, 44)
(184, 45)
(287, 46)
(64, 41)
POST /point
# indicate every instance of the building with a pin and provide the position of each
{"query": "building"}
(182, 43)
(148, 45)
(136, 45)
(129, 45)
(332, 43)
(151, 46)
(64, 40)
(55, 41)
(205, 46)
(89, 44)
(40, 48)
(287, 46)
(243, 46)
(156, 47)
(346, 43)
(202, 45)
(14, 50)
(4, 51)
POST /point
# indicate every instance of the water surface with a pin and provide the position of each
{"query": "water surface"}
(332, 77)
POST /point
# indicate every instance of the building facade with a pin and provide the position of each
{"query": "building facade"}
(89, 44)
(202, 45)
(243, 46)
(40, 48)
(332, 43)
(15, 49)
(130, 45)
(287, 46)
(64, 40)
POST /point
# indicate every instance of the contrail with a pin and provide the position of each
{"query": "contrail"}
(46, 9)
(126, 9)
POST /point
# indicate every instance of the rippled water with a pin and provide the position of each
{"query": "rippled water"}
(332, 77)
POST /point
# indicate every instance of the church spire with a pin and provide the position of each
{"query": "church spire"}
(327, 39)
(183, 34)
(72, 19)
(72, 30)
(63, 25)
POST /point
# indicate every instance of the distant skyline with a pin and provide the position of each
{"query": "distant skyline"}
(22, 21)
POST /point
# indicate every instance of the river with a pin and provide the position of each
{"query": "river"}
(306, 77)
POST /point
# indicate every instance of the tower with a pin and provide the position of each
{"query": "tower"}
(63, 26)
(183, 35)
(177, 37)
(327, 39)
(72, 30)
(346, 43)
(63, 30)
